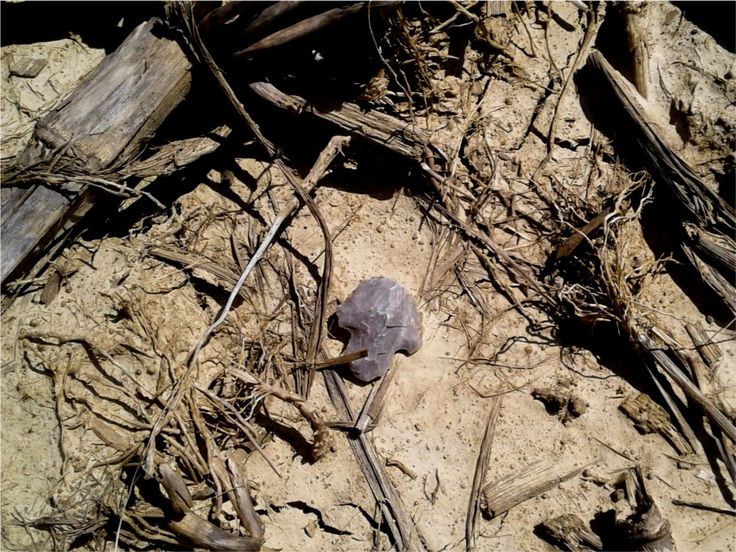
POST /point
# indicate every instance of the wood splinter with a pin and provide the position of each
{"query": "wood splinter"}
(515, 488)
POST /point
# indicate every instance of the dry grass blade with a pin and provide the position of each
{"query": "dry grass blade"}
(65, 181)
(374, 403)
(210, 537)
(334, 146)
(306, 409)
(191, 261)
(343, 359)
(185, 381)
(672, 405)
(590, 31)
(403, 531)
(242, 423)
(481, 469)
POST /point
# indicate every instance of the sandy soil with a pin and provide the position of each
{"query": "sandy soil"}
(431, 428)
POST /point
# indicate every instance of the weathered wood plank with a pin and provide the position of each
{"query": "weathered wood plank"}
(104, 121)
(21, 230)
(122, 101)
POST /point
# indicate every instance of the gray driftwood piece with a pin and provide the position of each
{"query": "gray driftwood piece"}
(103, 122)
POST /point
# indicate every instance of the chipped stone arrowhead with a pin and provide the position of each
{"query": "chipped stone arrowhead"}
(381, 317)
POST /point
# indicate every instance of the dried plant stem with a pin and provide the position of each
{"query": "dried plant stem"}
(236, 488)
(590, 31)
(702, 204)
(375, 401)
(707, 507)
(241, 422)
(109, 186)
(184, 382)
(193, 528)
(687, 386)
(334, 146)
(508, 491)
(400, 524)
(484, 240)
(304, 407)
(302, 191)
(302, 28)
(481, 469)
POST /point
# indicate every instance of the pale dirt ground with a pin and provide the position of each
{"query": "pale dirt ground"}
(433, 422)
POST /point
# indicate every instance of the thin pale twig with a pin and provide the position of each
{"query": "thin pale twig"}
(481, 468)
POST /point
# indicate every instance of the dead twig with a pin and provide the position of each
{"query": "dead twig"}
(241, 422)
(334, 146)
(590, 31)
(400, 524)
(206, 535)
(306, 409)
(706, 507)
(190, 261)
(184, 381)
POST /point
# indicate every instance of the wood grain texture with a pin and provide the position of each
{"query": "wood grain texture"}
(122, 101)
(513, 489)
(104, 121)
